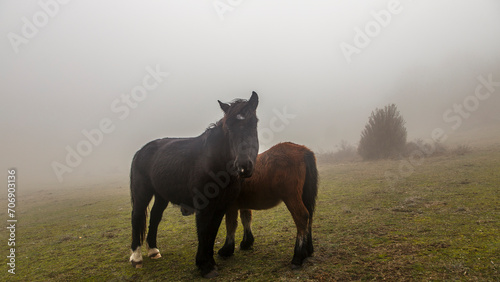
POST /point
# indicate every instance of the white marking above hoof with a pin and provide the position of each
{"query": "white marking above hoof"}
(136, 258)
(154, 253)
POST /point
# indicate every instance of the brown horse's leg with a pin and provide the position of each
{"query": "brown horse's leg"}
(310, 248)
(231, 223)
(246, 220)
(301, 218)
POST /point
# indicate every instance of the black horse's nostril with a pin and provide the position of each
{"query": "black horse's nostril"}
(250, 166)
(245, 170)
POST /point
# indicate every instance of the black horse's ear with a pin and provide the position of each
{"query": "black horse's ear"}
(224, 106)
(254, 100)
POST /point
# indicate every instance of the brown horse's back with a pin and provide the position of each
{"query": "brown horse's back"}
(276, 171)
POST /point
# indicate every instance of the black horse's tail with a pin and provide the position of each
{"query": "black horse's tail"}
(139, 218)
(310, 190)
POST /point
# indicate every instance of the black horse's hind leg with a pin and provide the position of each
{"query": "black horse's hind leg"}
(156, 214)
(207, 224)
(246, 220)
(139, 210)
(231, 224)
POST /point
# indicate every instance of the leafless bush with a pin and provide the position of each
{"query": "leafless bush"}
(428, 149)
(345, 153)
(462, 150)
(384, 135)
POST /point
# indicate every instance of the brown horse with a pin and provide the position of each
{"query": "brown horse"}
(285, 173)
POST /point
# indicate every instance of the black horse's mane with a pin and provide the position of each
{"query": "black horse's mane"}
(210, 131)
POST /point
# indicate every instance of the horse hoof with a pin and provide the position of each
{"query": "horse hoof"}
(136, 258)
(223, 256)
(246, 246)
(223, 253)
(295, 266)
(136, 264)
(157, 256)
(154, 253)
(211, 274)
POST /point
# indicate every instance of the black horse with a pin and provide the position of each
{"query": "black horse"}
(201, 174)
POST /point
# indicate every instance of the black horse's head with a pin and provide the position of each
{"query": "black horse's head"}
(240, 126)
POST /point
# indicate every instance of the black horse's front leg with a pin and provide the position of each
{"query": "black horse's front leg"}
(207, 224)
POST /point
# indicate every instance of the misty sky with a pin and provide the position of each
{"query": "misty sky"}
(69, 68)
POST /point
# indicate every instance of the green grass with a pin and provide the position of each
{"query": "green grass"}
(442, 222)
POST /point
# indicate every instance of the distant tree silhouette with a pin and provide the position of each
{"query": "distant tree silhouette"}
(384, 135)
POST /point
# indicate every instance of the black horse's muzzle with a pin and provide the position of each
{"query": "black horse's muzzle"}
(244, 169)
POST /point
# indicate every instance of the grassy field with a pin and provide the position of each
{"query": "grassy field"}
(440, 222)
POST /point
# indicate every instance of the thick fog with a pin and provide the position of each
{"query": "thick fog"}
(117, 74)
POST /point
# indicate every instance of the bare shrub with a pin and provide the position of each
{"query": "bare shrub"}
(429, 150)
(345, 153)
(325, 157)
(461, 150)
(384, 135)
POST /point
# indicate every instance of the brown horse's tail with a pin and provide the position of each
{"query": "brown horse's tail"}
(310, 190)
